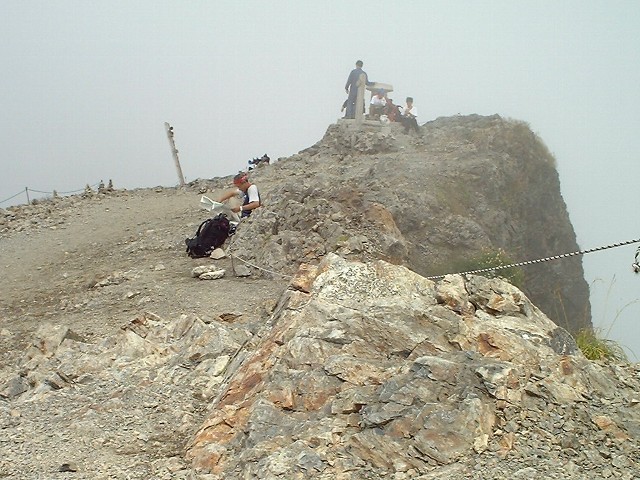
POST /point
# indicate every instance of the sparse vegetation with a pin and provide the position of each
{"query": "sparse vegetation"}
(491, 259)
(595, 347)
(594, 342)
(522, 142)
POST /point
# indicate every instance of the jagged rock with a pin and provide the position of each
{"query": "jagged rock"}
(241, 270)
(68, 467)
(14, 387)
(361, 369)
(115, 278)
(372, 368)
(477, 185)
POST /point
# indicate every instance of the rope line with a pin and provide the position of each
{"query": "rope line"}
(79, 190)
(233, 256)
(12, 196)
(26, 190)
(635, 266)
(260, 268)
(540, 260)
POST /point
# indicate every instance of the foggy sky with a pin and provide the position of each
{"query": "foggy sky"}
(87, 86)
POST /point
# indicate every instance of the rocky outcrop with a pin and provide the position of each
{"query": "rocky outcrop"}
(365, 368)
(122, 407)
(466, 187)
(371, 371)
(362, 370)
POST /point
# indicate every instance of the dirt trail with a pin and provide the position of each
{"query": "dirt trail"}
(131, 243)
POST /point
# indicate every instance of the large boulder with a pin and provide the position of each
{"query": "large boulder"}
(367, 370)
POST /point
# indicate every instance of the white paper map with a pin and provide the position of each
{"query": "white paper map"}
(216, 207)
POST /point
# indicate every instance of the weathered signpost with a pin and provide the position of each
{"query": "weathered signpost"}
(174, 152)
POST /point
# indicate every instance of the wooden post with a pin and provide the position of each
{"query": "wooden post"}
(26, 190)
(174, 152)
(359, 114)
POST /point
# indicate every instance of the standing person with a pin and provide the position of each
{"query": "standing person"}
(249, 192)
(409, 116)
(351, 87)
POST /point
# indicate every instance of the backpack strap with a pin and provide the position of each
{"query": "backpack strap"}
(200, 227)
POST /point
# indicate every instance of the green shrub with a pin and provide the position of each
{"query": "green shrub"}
(594, 347)
(491, 259)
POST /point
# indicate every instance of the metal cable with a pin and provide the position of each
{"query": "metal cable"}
(540, 260)
(636, 266)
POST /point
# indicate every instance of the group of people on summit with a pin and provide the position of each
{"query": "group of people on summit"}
(213, 232)
(380, 103)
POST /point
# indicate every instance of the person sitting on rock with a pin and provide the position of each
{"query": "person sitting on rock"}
(409, 116)
(377, 105)
(392, 111)
(249, 193)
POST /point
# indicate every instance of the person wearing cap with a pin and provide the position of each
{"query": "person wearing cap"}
(249, 193)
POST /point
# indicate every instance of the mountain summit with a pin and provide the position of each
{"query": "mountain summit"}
(470, 188)
(334, 341)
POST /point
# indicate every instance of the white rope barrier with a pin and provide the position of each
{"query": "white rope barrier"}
(260, 268)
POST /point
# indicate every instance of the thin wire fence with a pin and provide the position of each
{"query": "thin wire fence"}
(42, 192)
(635, 266)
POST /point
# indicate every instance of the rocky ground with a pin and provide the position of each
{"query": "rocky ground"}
(85, 268)
(112, 354)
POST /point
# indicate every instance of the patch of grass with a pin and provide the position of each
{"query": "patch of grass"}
(516, 138)
(491, 259)
(595, 347)
(594, 342)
